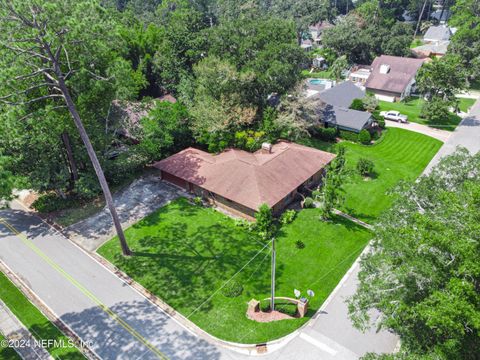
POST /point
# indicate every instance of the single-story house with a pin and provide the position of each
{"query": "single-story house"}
(337, 112)
(347, 119)
(240, 181)
(436, 34)
(393, 77)
(437, 49)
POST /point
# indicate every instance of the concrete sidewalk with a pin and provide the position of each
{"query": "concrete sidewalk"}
(15, 331)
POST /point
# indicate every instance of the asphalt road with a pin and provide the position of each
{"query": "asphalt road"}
(467, 134)
(97, 305)
(122, 324)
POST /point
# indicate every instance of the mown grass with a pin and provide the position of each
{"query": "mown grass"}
(40, 327)
(7, 353)
(413, 107)
(399, 155)
(184, 253)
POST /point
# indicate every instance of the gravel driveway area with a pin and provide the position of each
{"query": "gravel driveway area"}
(142, 197)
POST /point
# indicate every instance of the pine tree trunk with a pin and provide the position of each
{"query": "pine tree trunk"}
(96, 164)
(71, 160)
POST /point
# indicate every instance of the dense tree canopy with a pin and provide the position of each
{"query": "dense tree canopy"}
(423, 271)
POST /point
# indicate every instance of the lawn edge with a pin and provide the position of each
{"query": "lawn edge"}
(46, 311)
(248, 349)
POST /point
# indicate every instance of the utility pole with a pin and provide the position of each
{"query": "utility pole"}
(272, 300)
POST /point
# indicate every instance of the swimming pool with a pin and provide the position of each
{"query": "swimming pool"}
(318, 81)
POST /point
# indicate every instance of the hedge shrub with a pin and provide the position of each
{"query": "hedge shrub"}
(364, 137)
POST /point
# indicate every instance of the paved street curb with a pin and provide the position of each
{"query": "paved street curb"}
(47, 312)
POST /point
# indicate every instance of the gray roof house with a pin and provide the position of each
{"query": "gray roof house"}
(437, 34)
(337, 113)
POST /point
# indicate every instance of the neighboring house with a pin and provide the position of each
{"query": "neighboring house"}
(437, 49)
(436, 34)
(359, 74)
(337, 112)
(440, 16)
(393, 77)
(306, 45)
(241, 182)
(124, 116)
(316, 31)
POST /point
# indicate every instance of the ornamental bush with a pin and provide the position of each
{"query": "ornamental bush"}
(365, 166)
(308, 203)
(232, 289)
(288, 216)
(364, 137)
(327, 134)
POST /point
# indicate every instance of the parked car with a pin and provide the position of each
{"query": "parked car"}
(394, 116)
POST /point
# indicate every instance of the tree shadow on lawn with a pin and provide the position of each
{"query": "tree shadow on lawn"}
(181, 205)
(184, 269)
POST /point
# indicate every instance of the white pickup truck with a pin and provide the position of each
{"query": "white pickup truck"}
(394, 116)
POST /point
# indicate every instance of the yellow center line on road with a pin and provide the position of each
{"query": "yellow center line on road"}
(80, 287)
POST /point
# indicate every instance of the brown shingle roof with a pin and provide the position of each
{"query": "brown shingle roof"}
(246, 178)
(402, 71)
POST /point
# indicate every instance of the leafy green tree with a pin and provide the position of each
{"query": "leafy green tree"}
(442, 78)
(436, 111)
(338, 67)
(181, 45)
(357, 104)
(366, 33)
(331, 192)
(7, 180)
(219, 106)
(370, 103)
(265, 225)
(164, 131)
(263, 46)
(47, 65)
(422, 272)
(466, 41)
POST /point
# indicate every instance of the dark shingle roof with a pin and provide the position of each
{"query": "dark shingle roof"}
(346, 118)
(342, 95)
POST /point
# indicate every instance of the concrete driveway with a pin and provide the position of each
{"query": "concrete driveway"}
(142, 197)
(439, 134)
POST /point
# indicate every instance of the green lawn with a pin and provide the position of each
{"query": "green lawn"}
(318, 74)
(8, 353)
(398, 155)
(413, 107)
(465, 104)
(416, 42)
(35, 321)
(183, 253)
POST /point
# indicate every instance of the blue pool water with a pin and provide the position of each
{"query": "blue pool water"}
(318, 82)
